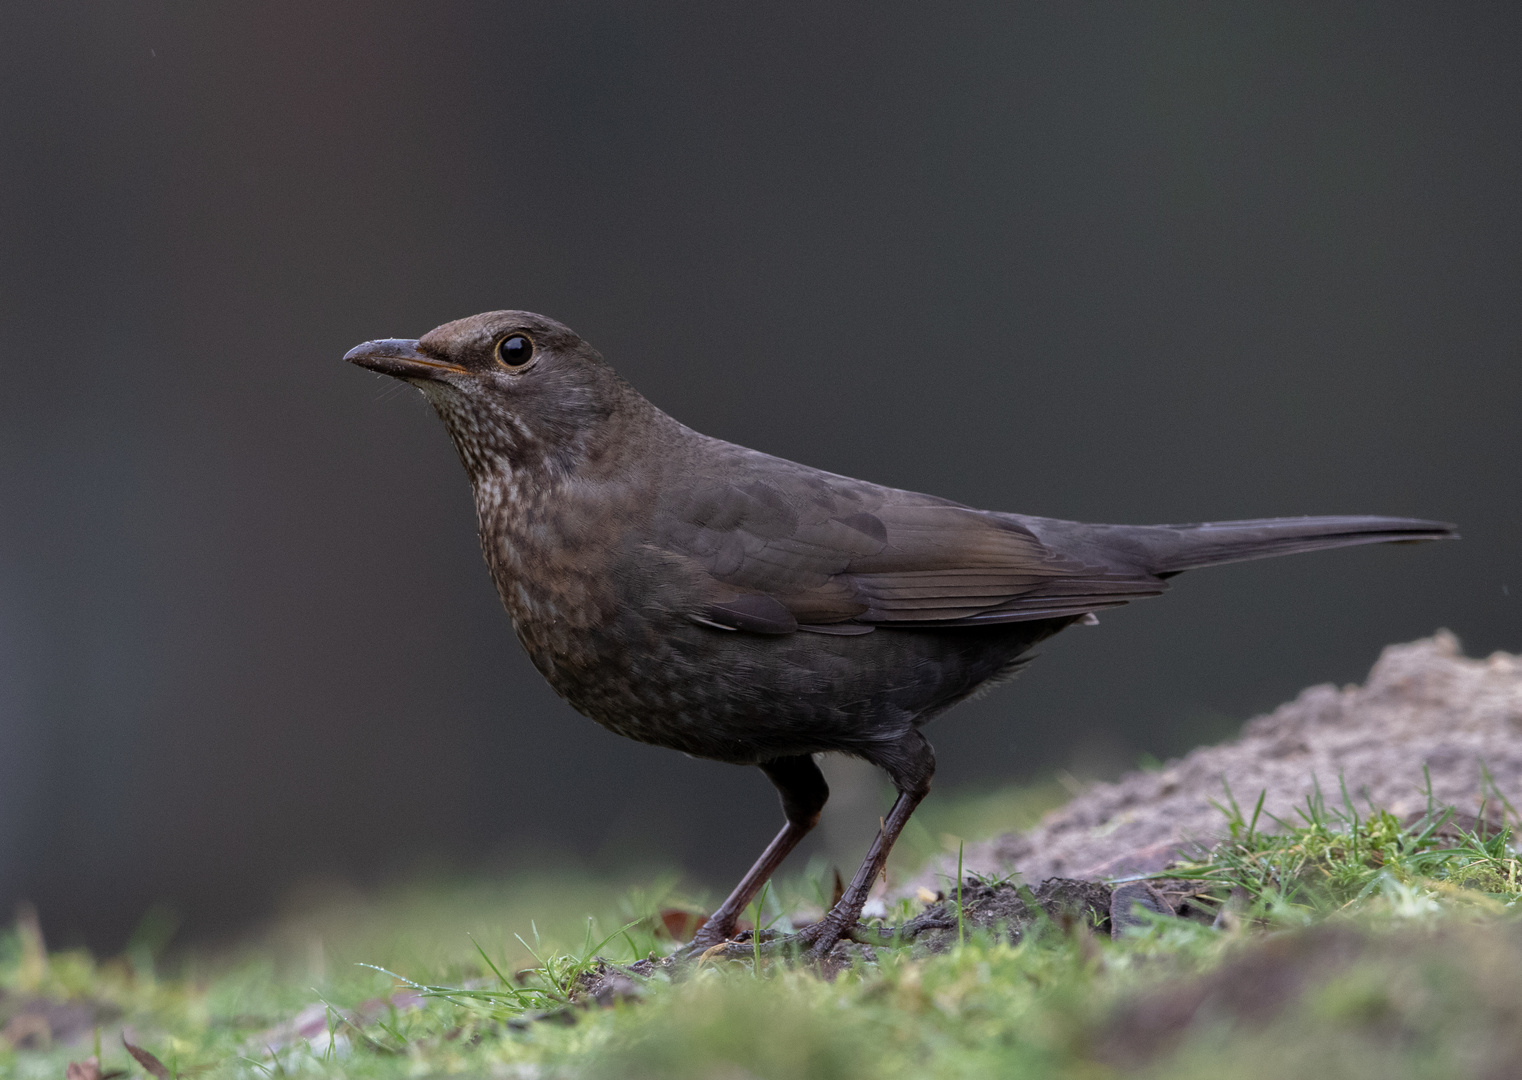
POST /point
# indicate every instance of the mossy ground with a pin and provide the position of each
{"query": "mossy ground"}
(1353, 945)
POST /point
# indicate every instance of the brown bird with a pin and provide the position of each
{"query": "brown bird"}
(691, 593)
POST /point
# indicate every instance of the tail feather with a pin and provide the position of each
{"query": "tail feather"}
(1173, 549)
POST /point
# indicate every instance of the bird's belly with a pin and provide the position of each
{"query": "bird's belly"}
(745, 698)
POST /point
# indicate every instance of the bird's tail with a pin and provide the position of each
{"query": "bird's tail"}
(1172, 549)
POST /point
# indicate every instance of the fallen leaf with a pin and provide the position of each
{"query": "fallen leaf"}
(154, 1066)
(681, 925)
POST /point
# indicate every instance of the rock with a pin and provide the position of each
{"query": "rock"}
(1125, 901)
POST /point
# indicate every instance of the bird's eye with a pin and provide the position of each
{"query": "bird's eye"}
(515, 350)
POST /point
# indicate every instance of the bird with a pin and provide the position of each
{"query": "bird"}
(695, 594)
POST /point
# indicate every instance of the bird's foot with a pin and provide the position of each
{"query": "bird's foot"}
(818, 939)
(705, 945)
(717, 941)
(812, 943)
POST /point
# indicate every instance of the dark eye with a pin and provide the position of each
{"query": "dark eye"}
(515, 351)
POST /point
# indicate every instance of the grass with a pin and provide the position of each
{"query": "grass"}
(1355, 945)
(1331, 856)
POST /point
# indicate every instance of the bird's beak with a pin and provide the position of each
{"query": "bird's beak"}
(399, 357)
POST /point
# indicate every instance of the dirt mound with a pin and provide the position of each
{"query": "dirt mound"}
(1425, 703)
(1335, 1000)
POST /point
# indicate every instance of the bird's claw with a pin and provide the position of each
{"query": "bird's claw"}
(812, 943)
(822, 936)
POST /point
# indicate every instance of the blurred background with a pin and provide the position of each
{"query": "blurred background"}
(1148, 262)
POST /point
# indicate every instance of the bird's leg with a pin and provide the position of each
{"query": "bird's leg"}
(720, 926)
(823, 935)
(910, 763)
(804, 793)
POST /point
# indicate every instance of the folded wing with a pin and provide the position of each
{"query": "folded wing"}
(839, 556)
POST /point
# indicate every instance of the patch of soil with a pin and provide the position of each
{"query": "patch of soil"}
(1424, 704)
(1007, 909)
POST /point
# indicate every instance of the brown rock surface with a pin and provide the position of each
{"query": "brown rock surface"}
(1425, 703)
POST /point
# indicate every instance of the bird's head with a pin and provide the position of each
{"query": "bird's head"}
(515, 389)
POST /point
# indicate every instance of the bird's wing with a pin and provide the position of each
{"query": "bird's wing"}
(816, 552)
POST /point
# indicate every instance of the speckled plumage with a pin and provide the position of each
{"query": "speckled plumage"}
(690, 593)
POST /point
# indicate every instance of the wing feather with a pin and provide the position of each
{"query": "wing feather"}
(849, 555)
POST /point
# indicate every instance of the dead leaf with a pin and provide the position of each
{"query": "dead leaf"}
(154, 1066)
(680, 925)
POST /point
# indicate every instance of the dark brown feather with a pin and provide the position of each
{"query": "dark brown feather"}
(823, 559)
